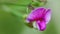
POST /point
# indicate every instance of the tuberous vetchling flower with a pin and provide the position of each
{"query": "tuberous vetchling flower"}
(42, 17)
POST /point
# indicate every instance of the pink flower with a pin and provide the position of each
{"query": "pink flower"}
(41, 15)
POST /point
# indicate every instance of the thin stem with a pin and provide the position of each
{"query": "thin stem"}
(27, 10)
(12, 4)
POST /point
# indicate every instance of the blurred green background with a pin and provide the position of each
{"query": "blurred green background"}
(12, 22)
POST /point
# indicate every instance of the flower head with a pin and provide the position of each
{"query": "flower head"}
(41, 15)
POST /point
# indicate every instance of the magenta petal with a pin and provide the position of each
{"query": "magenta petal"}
(48, 16)
(41, 15)
(41, 25)
(36, 14)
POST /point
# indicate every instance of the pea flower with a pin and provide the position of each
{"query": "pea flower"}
(41, 16)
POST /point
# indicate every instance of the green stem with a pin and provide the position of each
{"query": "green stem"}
(13, 4)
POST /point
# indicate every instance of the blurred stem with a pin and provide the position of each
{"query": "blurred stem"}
(27, 10)
(12, 4)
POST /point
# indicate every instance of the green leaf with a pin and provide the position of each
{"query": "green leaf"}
(15, 10)
(21, 2)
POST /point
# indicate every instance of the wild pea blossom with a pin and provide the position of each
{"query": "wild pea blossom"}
(41, 15)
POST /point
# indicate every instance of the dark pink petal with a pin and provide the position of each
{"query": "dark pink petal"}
(41, 25)
(36, 14)
(41, 15)
(48, 16)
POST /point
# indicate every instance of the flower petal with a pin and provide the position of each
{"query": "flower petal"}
(41, 25)
(36, 14)
(48, 16)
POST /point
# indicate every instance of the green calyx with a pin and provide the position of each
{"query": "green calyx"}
(38, 3)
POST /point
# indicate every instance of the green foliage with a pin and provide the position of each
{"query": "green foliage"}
(23, 2)
(37, 4)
